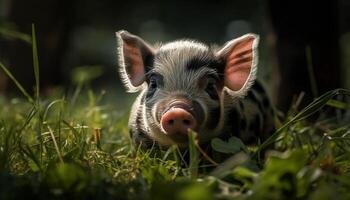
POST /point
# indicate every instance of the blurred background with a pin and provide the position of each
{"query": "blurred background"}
(305, 46)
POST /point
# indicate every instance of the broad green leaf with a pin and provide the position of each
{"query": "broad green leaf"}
(233, 146)
(279, 178)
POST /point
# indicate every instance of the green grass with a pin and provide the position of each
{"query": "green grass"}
(76, 146)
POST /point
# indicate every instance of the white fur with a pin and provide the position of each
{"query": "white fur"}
(122, 67)
(253, 71)
(183, 43)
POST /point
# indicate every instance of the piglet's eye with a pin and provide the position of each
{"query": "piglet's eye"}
(153, 83)
(211, 88)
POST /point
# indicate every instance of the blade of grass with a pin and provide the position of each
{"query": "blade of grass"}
(13, 34)
(338, 104)
(205, 155)
(182, 157)
(74, 131)
(194, 154)
(37, 87)
(76, 134)
(59, 121)
(310, 68)
(50, 105)
(55, 144)
(19, 86)
(35, 63)
(26, 150)
(28, 118)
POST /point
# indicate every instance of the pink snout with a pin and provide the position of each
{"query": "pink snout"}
(178, 121)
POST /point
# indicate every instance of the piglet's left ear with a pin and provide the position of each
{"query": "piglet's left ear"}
(241, 58)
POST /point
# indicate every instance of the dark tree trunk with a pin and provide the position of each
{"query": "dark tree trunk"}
(298, 25)
(53, 20)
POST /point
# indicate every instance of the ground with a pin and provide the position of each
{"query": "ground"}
(59, 148)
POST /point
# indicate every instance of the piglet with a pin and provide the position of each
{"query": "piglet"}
(186, 84)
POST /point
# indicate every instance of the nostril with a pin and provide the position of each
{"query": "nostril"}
(171, 122)
(186, 122)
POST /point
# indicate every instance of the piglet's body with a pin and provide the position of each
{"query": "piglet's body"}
(187, 85)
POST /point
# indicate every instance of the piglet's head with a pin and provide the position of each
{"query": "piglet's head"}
(185, 84)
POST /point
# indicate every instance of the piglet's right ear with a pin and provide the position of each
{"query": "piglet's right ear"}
(134, 56)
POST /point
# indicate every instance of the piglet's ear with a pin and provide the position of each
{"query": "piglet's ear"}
(241, 58)
(134, 56)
